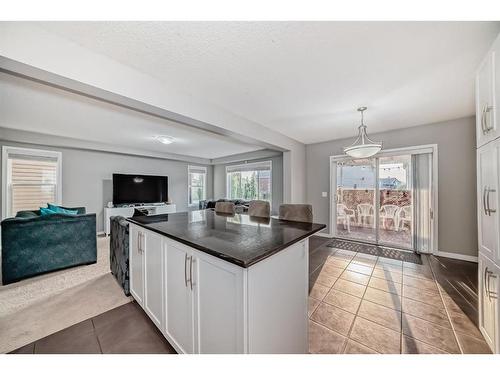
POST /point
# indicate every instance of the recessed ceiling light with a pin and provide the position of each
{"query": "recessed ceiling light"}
(165, 139)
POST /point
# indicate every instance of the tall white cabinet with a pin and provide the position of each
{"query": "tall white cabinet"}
(488, 196)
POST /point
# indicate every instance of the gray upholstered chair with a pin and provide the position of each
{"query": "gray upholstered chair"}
(296, 212)
(259, 209)
(225, 207)
(119, 251)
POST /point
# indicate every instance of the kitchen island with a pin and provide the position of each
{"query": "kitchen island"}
(218, 283)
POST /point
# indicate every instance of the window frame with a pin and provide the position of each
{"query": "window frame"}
(247, 165)
(197, 168)
(6, 191)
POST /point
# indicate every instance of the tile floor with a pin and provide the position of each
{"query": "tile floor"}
(358, 303)
(361, 303)
(123, 330)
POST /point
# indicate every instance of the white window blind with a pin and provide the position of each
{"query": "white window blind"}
(32, 179)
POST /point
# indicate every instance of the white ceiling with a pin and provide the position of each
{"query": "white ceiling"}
(306, 79)
(30, 106)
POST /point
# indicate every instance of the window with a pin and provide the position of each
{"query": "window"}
(249, 181)
(30, 179)
(197, 185)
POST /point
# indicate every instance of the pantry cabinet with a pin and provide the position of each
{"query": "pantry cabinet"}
(488, 196)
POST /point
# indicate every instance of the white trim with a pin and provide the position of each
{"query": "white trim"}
(444, 254)
(269, 162)
(196, 169)
(6, 150)
(412, 150)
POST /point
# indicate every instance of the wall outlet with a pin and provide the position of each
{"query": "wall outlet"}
(324, 194)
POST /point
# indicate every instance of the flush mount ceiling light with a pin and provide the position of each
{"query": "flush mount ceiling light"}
(165, 139)
(363, 147)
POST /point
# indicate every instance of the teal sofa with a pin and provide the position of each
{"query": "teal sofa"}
(34, 244)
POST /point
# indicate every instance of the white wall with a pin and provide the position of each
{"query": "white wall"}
(87, 176)
(456, 140)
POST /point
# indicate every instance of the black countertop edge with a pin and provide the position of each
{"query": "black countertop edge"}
(225, 257)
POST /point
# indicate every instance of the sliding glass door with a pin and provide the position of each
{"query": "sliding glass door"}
(385, 200)
(356, 203)
(395, 201)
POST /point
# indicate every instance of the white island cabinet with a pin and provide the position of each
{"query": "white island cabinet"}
(204, 304)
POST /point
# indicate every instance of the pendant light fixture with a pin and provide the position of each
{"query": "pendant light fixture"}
(363, 147)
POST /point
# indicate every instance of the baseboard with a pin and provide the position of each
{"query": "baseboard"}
(445, 254)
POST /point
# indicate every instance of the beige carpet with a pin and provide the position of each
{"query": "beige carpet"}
(37, 307)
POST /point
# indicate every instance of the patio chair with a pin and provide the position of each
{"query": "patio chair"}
(389, 212)
(345, 215)
(404, 216)
(366, 211)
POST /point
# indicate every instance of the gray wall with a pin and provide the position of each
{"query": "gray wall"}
(86, 176)
(456, 141)
(219, 180)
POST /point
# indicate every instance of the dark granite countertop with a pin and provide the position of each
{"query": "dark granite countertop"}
(239, 238)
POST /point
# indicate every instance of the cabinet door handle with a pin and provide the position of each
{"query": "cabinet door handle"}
(490, 293)
(185, 272)
(487, 109)
(191, 271)
(139, 242)
(483, 125)
(490, 210)
(485, 285)
(484, 200)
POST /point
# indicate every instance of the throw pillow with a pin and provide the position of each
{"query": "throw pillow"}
(60, 210)
(45, 211)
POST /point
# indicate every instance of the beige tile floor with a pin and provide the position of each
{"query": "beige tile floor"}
(360, 303)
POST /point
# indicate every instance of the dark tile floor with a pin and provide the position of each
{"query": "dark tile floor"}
(124, 330)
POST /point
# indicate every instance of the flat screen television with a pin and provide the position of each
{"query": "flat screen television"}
(135, 189)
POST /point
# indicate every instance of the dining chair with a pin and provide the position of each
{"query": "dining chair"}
(259, 209)
(296, 212)
(225, 207)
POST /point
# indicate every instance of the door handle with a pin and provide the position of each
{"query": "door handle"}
(139, 242)
(490, 210)
(191, 271)
(185, 272)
